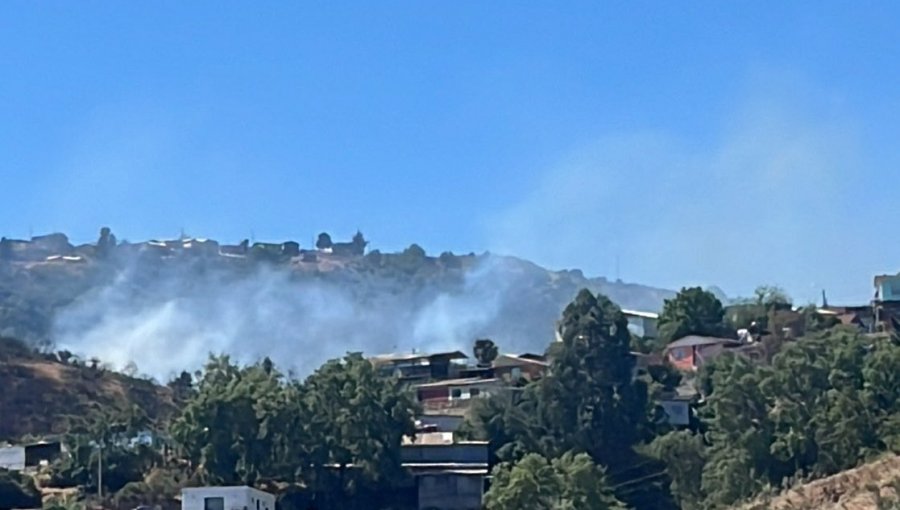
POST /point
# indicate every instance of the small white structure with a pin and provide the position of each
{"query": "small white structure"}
(226, 498)
(12, 458)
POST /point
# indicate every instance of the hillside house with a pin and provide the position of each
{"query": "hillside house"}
(511, 367)
(456, 392)
(887, 288)
(420, 367)
(355, 248)
(886, 304)
(226, 498)
(449, 475)
(642, 324)
(235, 250)
(691, 352)
(21, 457)
(17, 249)
(51, 244)
(290, 249)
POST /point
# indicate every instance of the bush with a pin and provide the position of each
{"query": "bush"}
(18, 491)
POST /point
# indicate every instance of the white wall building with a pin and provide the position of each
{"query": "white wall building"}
(226, 498)
(12, 458)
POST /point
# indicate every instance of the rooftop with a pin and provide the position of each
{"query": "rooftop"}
(469, 381)
(645, 315)
(697, 340)
(410, 356)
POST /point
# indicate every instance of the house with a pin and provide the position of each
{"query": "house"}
(456, 392)
(290, 248)
(511, 367)
(419, 366)
(52, 244)
(691, 352)
(449, 475)
(355, 248)
(226, 498)
(19, 458)
(205, 247)
(235, 250)
(14, 249)
(642, 324)
(887, 288)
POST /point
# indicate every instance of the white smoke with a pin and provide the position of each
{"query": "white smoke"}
(172, 317)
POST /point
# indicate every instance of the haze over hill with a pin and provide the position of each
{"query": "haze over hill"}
(165, 307)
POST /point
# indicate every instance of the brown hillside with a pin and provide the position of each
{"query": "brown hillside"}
(38, 393)
(855, 489)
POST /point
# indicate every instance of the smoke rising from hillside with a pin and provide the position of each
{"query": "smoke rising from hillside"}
(171, 318)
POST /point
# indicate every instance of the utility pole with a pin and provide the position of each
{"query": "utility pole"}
(100, 471)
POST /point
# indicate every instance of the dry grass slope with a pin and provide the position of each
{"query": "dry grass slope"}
(39, 393)
(872, 486)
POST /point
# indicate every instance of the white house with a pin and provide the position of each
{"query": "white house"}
(642, 324)
(226, 498)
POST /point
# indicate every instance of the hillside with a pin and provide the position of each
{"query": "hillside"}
(165, 304)
(861, 488)
(34, 383)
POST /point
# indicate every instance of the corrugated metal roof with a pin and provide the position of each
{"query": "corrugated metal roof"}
(697, 340)
(457, 382)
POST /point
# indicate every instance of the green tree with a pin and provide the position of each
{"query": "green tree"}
(570, 482)
(485, 351)
(18, 491)
(235, 426)
(684, 454)
(693, 311)
(357, 417)
(736, 416)
(591, 402)
(324, 241)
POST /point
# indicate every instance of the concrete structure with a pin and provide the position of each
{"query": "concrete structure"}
(226, 498)
(12, 458)
(642, 324)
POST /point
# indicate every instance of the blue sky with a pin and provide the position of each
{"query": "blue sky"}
(732, 143)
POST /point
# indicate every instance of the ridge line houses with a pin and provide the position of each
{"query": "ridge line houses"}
(56, 248)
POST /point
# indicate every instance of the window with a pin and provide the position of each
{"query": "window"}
(679, 354)
(455, 393)
(257, 504)
(214, 503)
(474, 392)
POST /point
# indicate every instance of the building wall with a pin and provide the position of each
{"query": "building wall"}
(233, 498)
(642, 326)
(677, 411)
(449, 491)
(889, 288)
(457, 453)
(682, 358)
(12, 458)
(443, 422)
